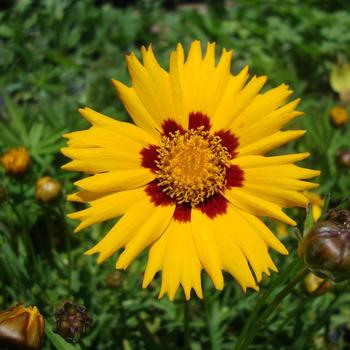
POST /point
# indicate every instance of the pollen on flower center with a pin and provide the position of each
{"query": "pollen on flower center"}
(192, 165)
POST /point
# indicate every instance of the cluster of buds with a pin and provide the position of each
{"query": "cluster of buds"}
(72, 321)
(16, 161)
(326, 248)
(21, 328)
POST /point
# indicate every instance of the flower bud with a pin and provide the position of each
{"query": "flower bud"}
(344, 158)
(316, 285)
(21, 328)
(72, 321)
(115, 279)
(339, 115)
(16, 161)
(326, 248)
(47, 189)
(340, 80)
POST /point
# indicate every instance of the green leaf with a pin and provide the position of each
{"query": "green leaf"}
(17, 119)
(58, 341)
(309, 221)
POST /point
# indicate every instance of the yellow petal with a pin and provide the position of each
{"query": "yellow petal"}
(282, 197)
(270, 142)
(125, 229)
(180, 263)
(280, 182)
(149, 232)
(256, 206)
(101, 137)
(231, 255)
(86, 196)
(262, 105)
(288, 171)
(136, 109)
(254, 248)
(264, 232)
(220, 118)
(271, 123)
(203, 233)
(98, 160)
(122, 128)
(230, 109)
(107, 207)
(116, 180)
(255, 161)
(152, 87)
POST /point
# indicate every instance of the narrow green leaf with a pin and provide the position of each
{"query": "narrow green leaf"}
(58, 341)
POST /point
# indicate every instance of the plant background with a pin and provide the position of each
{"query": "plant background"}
(59, 55)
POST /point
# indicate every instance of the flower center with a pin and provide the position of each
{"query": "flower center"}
(192, 166)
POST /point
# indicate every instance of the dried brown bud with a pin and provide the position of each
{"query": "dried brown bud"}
(316, 285)
(326, 248)
(21, 328)
(16, 161)
(72, 321)
(47, 189)
(344, 158)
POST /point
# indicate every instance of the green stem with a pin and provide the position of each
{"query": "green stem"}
(290, 270)
(270, 309)
(187, 311)
(68, 241)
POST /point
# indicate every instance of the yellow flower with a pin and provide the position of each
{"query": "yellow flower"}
(339, 115)
(317, 203)
(16, 161)
(191, 178)
(22, 327)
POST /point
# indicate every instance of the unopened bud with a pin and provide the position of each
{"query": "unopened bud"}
(115, 279)
(47, 189)
(326, 248)
(21, 328)
(344, 158)
(72, 321)
(339, 115)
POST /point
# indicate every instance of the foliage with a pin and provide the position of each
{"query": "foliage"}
(57, 56)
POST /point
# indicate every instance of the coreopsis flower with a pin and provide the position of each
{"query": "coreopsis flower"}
(21, 327)
(316, 202)
(339, 115)
(16, 161)
(191, 179)
(47, 189)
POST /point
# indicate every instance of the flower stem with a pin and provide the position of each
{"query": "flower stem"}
(259, 320)
(187, 311)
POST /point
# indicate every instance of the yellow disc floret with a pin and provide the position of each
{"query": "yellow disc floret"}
(192, 166)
